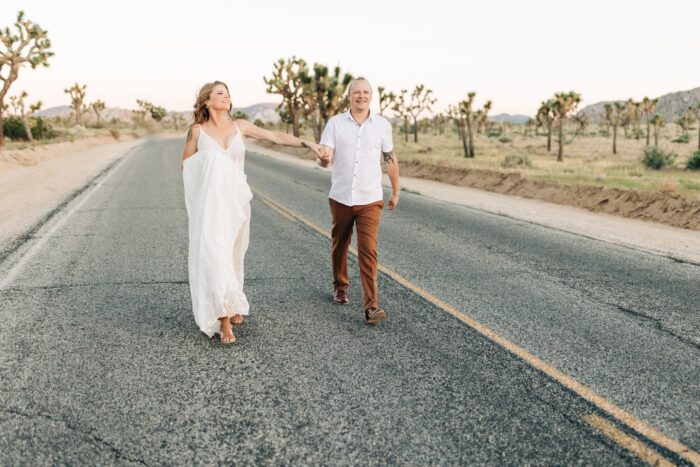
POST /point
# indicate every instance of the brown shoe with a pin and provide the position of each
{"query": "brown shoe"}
(373, 315)
(341, 298)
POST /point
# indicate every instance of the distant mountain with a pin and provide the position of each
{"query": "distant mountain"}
(670, 105)
(107, 114)
(59, 111)
(509, 118)
(265, 112)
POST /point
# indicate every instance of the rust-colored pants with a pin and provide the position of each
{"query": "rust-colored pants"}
(366, 218)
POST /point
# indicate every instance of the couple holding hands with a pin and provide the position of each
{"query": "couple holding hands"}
(217, 198)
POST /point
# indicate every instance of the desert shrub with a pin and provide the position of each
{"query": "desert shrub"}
(655, 158)
(512, 161)
(493, 133)
(685, 138)
(41, 129)
(13, 128)
(238, 114)
(158, 113)
(693, 162)
(504, 139)
(259, 123)
(115, 133)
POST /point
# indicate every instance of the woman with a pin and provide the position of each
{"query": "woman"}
(218, 197)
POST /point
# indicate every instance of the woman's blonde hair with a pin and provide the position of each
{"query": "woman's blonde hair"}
(201, 113)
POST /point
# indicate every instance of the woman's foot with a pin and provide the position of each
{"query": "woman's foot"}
(236, 319)
(226, 334)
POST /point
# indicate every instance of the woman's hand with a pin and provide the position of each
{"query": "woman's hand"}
(313, 146)
(321, 151)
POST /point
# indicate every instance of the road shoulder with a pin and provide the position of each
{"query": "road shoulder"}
(659, 239)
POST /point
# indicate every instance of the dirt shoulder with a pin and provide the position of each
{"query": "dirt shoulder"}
(34, 181)
(666, 208)
(610, 226)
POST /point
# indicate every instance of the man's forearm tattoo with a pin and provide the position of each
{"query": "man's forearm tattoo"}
(189, 134)
(388, 156)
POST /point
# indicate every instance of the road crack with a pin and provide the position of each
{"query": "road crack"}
(97, 441)
(657, 323)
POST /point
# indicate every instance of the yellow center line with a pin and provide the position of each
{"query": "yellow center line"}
(565, 380)
(641, 450)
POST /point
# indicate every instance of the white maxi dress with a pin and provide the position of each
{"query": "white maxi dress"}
(217, 197)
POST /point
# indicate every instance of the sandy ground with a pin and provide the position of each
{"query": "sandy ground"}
(652, 237)
(33, 182)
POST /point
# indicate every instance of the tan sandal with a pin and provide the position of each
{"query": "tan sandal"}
(236, 319)
(226, 340)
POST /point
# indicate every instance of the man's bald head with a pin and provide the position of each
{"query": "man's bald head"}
(358, 80)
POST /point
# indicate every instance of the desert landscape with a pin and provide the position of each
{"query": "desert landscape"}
(521, 289)
(638, 159)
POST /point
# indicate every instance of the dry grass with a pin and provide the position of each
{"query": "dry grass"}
(588, 160)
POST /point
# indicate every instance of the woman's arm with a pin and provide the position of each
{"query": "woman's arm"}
(248, 129)
(190, 143)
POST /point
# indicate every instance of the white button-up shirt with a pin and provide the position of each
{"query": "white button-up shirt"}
(357, 170)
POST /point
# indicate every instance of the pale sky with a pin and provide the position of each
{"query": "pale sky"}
(513, 52)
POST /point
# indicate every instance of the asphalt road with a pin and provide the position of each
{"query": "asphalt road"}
(102, 363)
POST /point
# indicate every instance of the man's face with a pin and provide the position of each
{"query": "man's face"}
(360, 95)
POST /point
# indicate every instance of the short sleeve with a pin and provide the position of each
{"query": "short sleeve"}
(328, 136)
(387, 138)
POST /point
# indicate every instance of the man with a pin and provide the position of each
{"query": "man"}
(357, 141)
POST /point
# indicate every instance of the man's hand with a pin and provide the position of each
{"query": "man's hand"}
(393, 201)
(324, 156)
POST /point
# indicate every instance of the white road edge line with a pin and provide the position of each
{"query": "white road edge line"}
(34, 249)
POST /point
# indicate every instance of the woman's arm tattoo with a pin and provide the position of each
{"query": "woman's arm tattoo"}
(189, 134)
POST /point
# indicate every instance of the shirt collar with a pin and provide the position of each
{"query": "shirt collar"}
(348, 115)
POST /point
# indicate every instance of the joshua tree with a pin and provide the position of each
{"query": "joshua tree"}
(695, 110)
(324, 95)
(615, 114)
(467, 114)
(178, 119)
(21, 111)
(286, 81)
(531, 123)
(421, 101)
(385, 100)
(657, 121)
(545, 116)
(684, 121)
(143, 110)
(564, 104)
(98, 107)
(581, 123)
(400, 109)
(77, 99)
(648, 108)
(482, 117)
(634, 112)
(16, 103)
(457, 117)
(158, 113)
(25, 44)
(439, 121)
